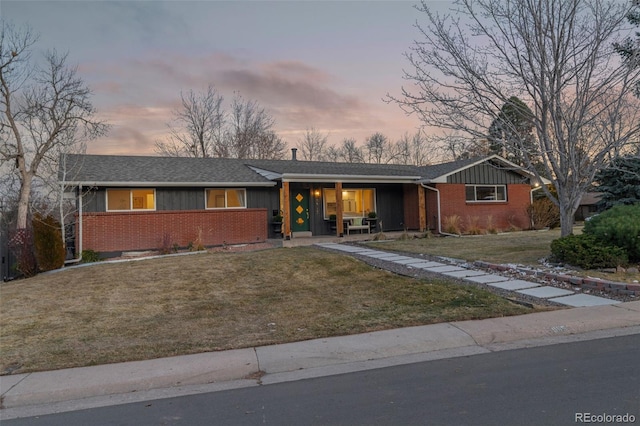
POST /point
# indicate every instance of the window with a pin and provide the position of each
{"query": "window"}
(355, 202)
(226, 198)
(131, 199)
(486, 193)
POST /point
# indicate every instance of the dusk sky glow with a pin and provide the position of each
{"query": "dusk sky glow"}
(322, 64)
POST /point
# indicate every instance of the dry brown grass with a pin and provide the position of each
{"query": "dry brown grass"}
(214, 301)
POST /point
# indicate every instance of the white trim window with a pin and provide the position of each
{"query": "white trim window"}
(356, 202)
(130, 199)
(223, 198)
(486, 193)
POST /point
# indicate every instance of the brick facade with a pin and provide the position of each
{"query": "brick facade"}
(116, 232)
(510, 214)
(411, 206)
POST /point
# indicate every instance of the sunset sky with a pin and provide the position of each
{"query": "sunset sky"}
(322, 64)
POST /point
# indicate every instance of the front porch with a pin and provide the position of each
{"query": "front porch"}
(335, 209)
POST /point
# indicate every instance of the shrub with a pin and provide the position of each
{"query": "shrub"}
(587, 252)
(543, 214)
(89, 256)
(48, 245)
(165, 244)
(618, 226)
(491, 228)
(452, 224)
(473, 227)
(21, 245)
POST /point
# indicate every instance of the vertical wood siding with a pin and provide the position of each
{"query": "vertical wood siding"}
(486, 174)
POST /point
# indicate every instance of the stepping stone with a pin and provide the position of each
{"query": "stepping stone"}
(465, 273)
(426, 265)
(513, 285)
(397, 259)
(485, 279)
(545, 292)
(409, 261)
(351, 249)
(582, 300)
(392, 257)
(385, 256)
(331, 245)
(366, 252)
(444, 268)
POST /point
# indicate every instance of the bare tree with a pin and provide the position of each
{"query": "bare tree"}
(313, 145)
(248, 125)
(413, 149)
(197, 127)
(203, 128)
(377, 148)
(333, 154)
(268, 146)
(629, 48)
(43, 109)
(54, 194)
(555, 55)
(351, 152)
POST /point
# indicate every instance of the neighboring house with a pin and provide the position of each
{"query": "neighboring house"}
(588, 205)
(140, 203)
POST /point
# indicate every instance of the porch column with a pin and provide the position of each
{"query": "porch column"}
(422, 208)
(339, 223)
(286, 211)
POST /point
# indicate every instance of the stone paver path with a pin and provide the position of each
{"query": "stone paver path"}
(532, 289)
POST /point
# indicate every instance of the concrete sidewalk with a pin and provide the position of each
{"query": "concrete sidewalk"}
(293, 361)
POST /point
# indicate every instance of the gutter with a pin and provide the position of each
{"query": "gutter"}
(437, 191)
(79, 258)
(305, 177)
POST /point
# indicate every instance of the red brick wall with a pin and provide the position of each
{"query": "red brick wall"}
(432, 209)
(114, 232)
(503, 215)
(411, 202)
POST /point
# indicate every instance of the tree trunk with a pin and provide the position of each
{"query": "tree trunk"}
(23, 203)
(566, 221)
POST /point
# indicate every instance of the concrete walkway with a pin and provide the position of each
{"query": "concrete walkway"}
(76, 388)
(529, 288)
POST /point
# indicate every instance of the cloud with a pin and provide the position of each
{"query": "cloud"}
(141, 93)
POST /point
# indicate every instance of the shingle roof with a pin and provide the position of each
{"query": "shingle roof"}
(182, 171)
(437, 170)
(332, 168)
(103, 169)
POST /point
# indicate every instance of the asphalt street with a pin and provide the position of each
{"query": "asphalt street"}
(548, 385)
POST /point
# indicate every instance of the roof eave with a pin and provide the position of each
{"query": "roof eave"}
(318, 178)
(169, 184)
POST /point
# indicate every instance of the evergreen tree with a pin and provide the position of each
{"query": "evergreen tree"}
(619, 183)
(511, 133)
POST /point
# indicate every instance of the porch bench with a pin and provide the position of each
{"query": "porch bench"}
(359, 224)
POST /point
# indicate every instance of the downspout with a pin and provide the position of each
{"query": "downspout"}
(437, 191)
(79, 258)
(537, 187)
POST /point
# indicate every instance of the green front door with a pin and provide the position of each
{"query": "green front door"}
(300, 210)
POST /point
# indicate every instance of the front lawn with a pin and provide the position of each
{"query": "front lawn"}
(215, 301)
